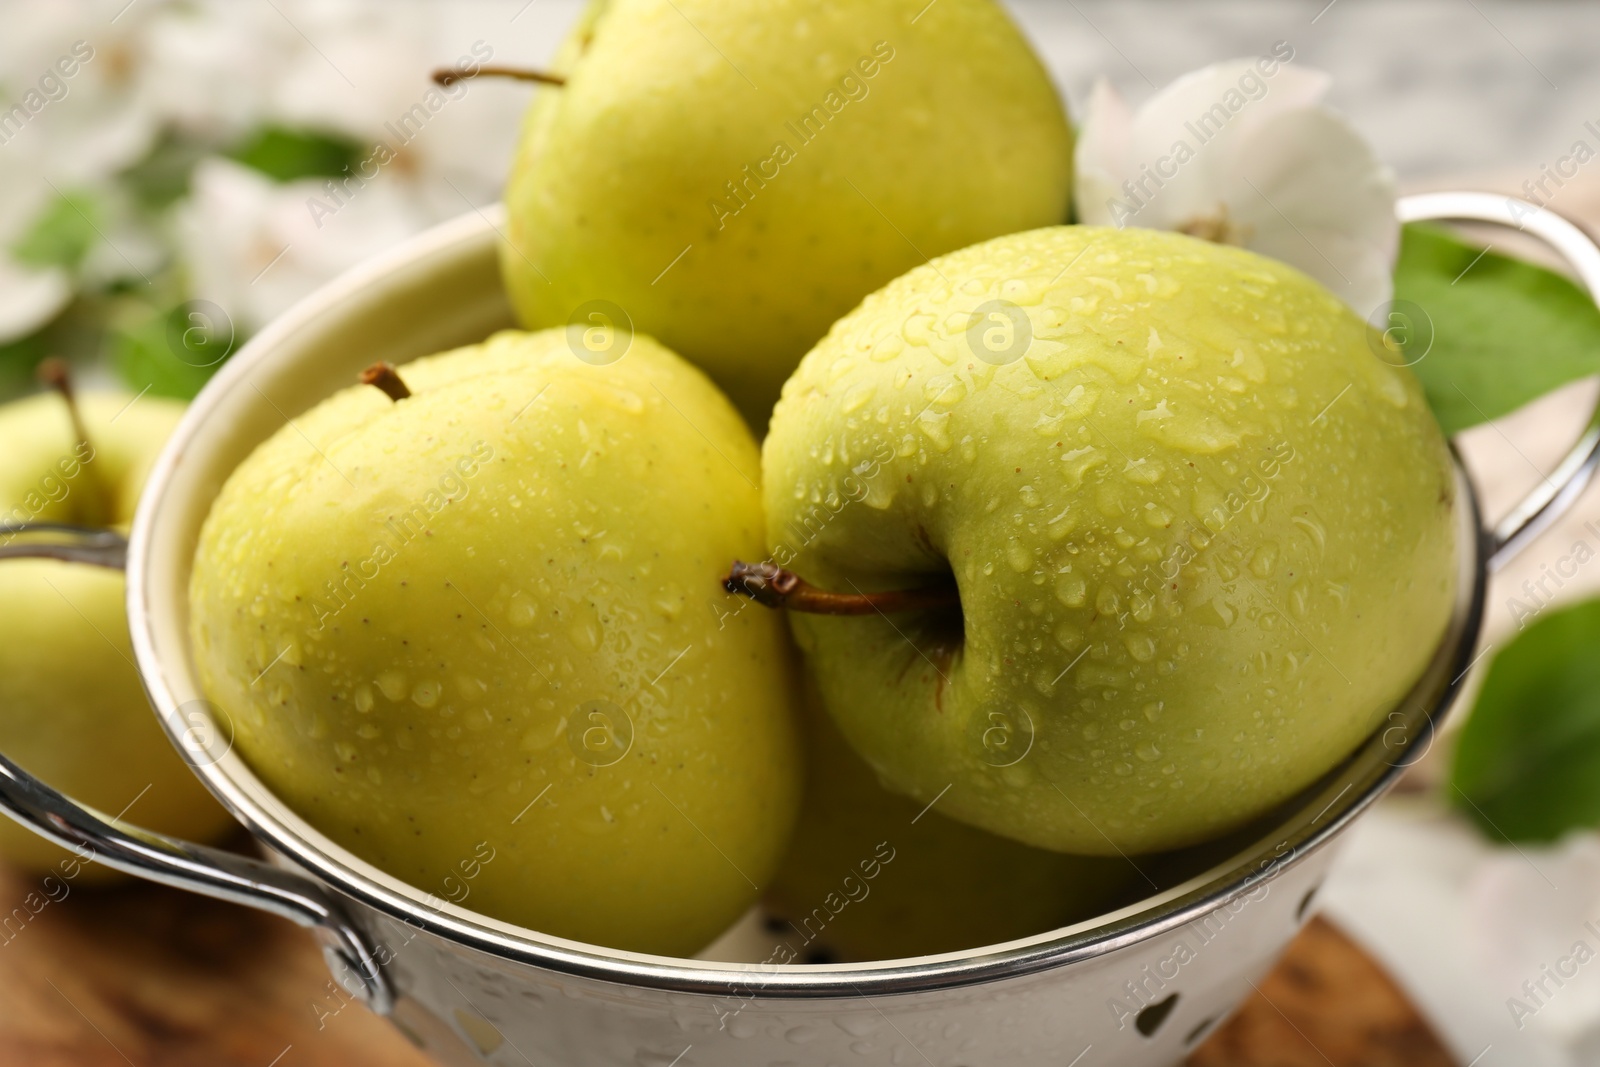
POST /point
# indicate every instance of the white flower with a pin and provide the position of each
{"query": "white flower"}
(1243, 153)
(84, 82)
(215, 71)
(1535, 920)
(29, 298)
(255, 246)
(369, 78)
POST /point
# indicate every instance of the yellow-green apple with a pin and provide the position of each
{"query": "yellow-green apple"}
(875, 876)
(72, 709)
(468, 633)
(1146, 534)
(732, 177)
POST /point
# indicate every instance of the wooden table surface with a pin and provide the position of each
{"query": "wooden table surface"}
(137, 975)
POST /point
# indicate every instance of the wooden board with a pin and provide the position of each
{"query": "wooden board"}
(137, 975)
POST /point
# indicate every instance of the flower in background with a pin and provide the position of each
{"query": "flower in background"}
(1535, 917)
(187, 156)
(251, 247)
(1243, 153)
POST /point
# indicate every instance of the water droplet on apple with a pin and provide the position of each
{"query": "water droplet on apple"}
(584, 630)
(886, 348)
(1300, 598)
(1019, 555)
(1025, 292)
(944, 391)
(1070, 590)
(1264, 559)
(392, 684)
(858, 397)
(1141, 647)
(936, 427)
(1069, 637)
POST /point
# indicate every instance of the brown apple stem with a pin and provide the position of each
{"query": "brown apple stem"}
(450, 75)
(771, 586)
(55, 374)
(383, 376)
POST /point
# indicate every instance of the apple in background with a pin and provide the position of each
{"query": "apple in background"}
(472, 634)
(1146, 535)
(873, 876)
(732, 177)
(72, 709)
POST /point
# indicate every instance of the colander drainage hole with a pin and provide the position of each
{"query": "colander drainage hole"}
(1150, 1019)
(1198, 1032)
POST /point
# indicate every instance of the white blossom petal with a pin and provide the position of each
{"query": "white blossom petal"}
(1101, 159)
(29, 298)
(1242, 156)
(255, 246)
(1310, 192)
(1536, 925)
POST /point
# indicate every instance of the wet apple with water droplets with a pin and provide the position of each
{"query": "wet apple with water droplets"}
(1196, 535)
(473, 634)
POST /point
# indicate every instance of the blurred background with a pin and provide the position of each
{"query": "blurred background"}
(170, 197)
(186, 160)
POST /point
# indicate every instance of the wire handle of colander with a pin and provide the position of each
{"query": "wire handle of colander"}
(351, 956)
(1557, 492)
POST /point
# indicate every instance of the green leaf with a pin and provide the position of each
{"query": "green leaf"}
(62, 234)
(1504, 331)
(17, 360)
(1527, 767)
(286, 154)
(77, 334)
(173, 352)
(162, 177)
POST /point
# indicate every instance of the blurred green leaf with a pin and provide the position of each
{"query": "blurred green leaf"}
(174, 352)
(1504, 331)
(62, 234)
(286, 154)
(17, 360)
(77, 334)
(161, 178)
(1527, 767)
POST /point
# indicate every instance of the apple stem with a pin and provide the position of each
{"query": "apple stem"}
(383, 376)
(771, 586)
(55, 374)
(448, 76)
